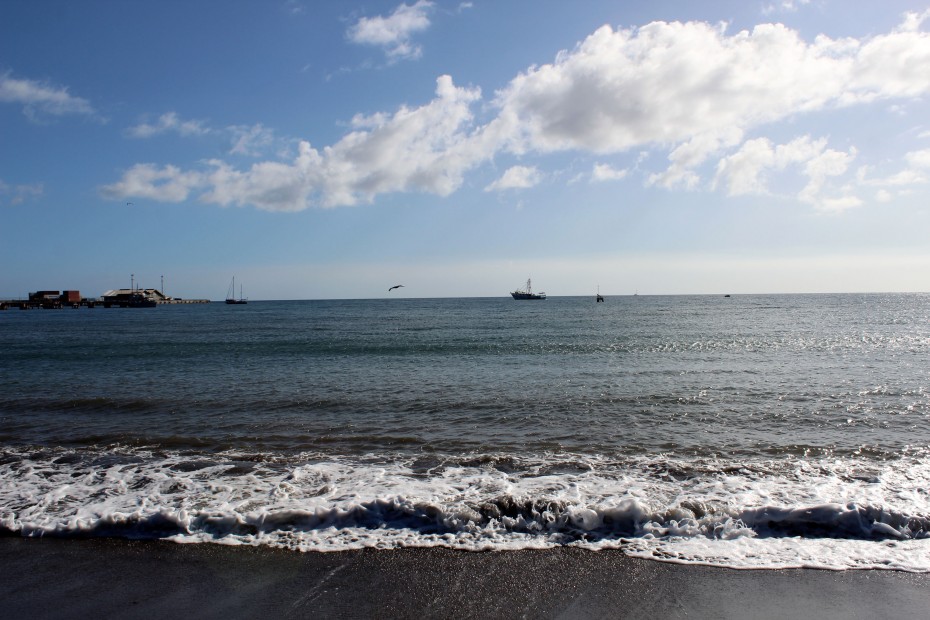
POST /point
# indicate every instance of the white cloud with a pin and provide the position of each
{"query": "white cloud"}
(689, 88)
(818, 169)
(19, 194)
(891, 65)
(165, 184)
(40, 99)
(294, 7)
(416, 149)
(516, 177)
(747, 170)
(421, 149)
(785, 6)
(665, 83)
(252, 141)
(915, 173)
(394, 31)
(604, 172)
(919, 159)
(691, 154)
(170, 121)
(839, 204)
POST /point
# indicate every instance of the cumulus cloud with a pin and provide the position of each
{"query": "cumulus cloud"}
(163, 184)
(393, 32)
(170, 121)
(691, 89)
(666, 83)
(516, 177)
(818, 169)
(747, 170)
(415, 149)
(688, 155)
(42, 99)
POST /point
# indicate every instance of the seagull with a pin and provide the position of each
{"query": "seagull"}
(395, 286)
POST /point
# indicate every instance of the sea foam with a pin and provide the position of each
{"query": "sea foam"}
(835, 513)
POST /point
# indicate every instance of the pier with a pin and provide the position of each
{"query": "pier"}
(117, 298)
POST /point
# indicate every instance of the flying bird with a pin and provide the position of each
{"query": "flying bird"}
(395, 286)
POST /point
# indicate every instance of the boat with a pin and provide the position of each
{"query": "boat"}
(599, 296)
(528, 293)
(231, 294)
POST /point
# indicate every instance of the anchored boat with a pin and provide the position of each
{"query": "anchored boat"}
(528, 293)
(231, 294)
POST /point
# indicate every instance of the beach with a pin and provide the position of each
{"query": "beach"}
(98, 578)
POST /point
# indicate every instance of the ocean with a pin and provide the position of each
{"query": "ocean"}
(750, 431)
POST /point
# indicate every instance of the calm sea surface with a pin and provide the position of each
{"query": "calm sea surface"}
(752, 431)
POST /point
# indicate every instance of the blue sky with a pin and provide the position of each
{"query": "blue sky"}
(332, 149)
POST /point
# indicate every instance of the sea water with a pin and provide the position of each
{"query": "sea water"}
(749, 431)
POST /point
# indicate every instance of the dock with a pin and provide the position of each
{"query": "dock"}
(116, 298)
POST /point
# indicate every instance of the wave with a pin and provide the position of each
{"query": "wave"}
(763, 514)
(552, 522)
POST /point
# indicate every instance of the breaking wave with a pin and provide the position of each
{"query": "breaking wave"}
(824, 513)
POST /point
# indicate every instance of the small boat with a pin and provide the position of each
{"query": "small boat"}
(599, 297)
(231, 294)
(528, 293)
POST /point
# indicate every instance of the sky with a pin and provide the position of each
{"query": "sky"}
(325, 150)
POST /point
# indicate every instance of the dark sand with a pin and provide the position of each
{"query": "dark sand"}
(44, 578)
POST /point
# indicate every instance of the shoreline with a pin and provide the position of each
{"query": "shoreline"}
(53, 578)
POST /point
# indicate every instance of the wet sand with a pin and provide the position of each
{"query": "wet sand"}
(45, 578)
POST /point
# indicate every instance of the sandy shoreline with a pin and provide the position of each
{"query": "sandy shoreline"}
(46, 578)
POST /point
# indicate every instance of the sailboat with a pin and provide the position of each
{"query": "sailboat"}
(231, 294)
(599, 296)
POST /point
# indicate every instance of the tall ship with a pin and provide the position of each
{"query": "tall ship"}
(528, 292)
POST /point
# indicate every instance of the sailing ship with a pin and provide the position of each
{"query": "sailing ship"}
(528, 293)
(231, 294)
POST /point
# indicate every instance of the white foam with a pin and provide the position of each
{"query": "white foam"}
(836, 513)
